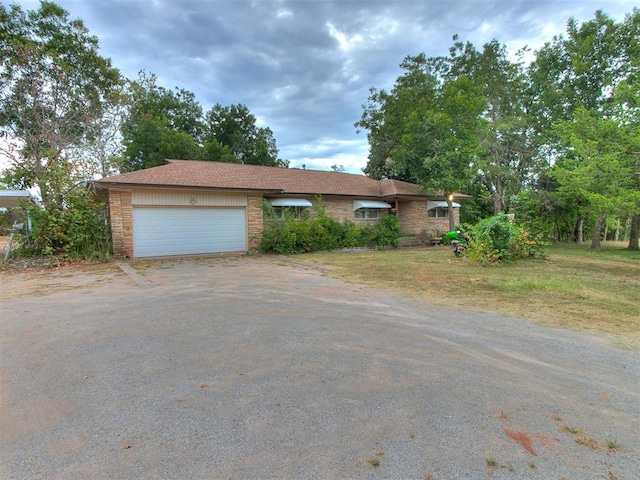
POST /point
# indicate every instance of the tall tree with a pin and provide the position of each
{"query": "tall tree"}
(602, 167)
(428, 127)
(53, 89)
(575, 71)
(234, 127)
(166, 123)
(506, 162)
(161, 124)
(585, 85)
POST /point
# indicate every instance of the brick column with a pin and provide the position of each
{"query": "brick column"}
(255, 222)
(121, 216)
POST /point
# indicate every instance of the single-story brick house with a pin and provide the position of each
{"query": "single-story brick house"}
(194, 207)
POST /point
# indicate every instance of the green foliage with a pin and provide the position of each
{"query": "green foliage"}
(170, 124)
(506, 158)
(235, 128)
(384, 233)
(77, 231)
(584, 106)
(426, 130)
(161, 124)
(497, 239)
(318, 231)
(563, 131)
(541, 212)
(54, 87)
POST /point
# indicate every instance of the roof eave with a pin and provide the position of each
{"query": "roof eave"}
(107, 185)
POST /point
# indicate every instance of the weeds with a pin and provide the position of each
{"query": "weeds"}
(581, 437)
(613, 445)
(374, 462)
(491, 462)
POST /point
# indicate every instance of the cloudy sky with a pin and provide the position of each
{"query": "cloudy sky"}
(304, 67)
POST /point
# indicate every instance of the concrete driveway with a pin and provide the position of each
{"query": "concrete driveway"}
(262, 367)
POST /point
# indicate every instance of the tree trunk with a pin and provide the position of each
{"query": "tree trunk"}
(627, 228)
(633, 237)
(597, 231)
(452, 223)
(606, 233)
(578, 234)
(616, 236)
(497, 205)
(497, 196)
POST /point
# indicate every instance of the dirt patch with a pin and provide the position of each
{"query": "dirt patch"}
(36, 281)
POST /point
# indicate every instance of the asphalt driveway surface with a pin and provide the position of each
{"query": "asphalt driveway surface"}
(266, 368)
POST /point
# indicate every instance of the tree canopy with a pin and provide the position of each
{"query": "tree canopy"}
(555, 141)
(165, 123)
(161, 124)
(54, 87)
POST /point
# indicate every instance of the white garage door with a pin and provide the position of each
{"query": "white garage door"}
(180, 231)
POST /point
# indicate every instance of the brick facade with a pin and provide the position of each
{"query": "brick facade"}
(342, 209)
(121, 215)
(412, 214)
(255, 223)
(414, 219)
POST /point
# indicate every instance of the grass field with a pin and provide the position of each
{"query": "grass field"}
(572, 288)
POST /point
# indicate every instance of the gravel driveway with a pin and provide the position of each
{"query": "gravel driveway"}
(260, 367)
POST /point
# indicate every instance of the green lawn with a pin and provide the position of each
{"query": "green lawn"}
(572, 288)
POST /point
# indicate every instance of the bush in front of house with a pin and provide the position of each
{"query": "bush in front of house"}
(77, 230)
(498, 239)
(312, 233)
(382, 234)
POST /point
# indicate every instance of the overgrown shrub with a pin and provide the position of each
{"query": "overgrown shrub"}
(78, 230)
(497, 239)
(384, 233)
(316, 232)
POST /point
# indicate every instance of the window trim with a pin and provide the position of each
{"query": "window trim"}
(368, 213)
(437, 211)
(280, 211)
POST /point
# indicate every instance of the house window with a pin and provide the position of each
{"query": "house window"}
(438, 212)
(289, 207)
(367, 213)
(289, 212)
(439, 209)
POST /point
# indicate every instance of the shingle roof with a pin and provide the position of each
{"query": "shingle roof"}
(234, 176)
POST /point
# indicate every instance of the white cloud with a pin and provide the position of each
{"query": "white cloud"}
(346, 42)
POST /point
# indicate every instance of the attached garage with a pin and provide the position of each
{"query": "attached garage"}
(165, 222)
(159, 231)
